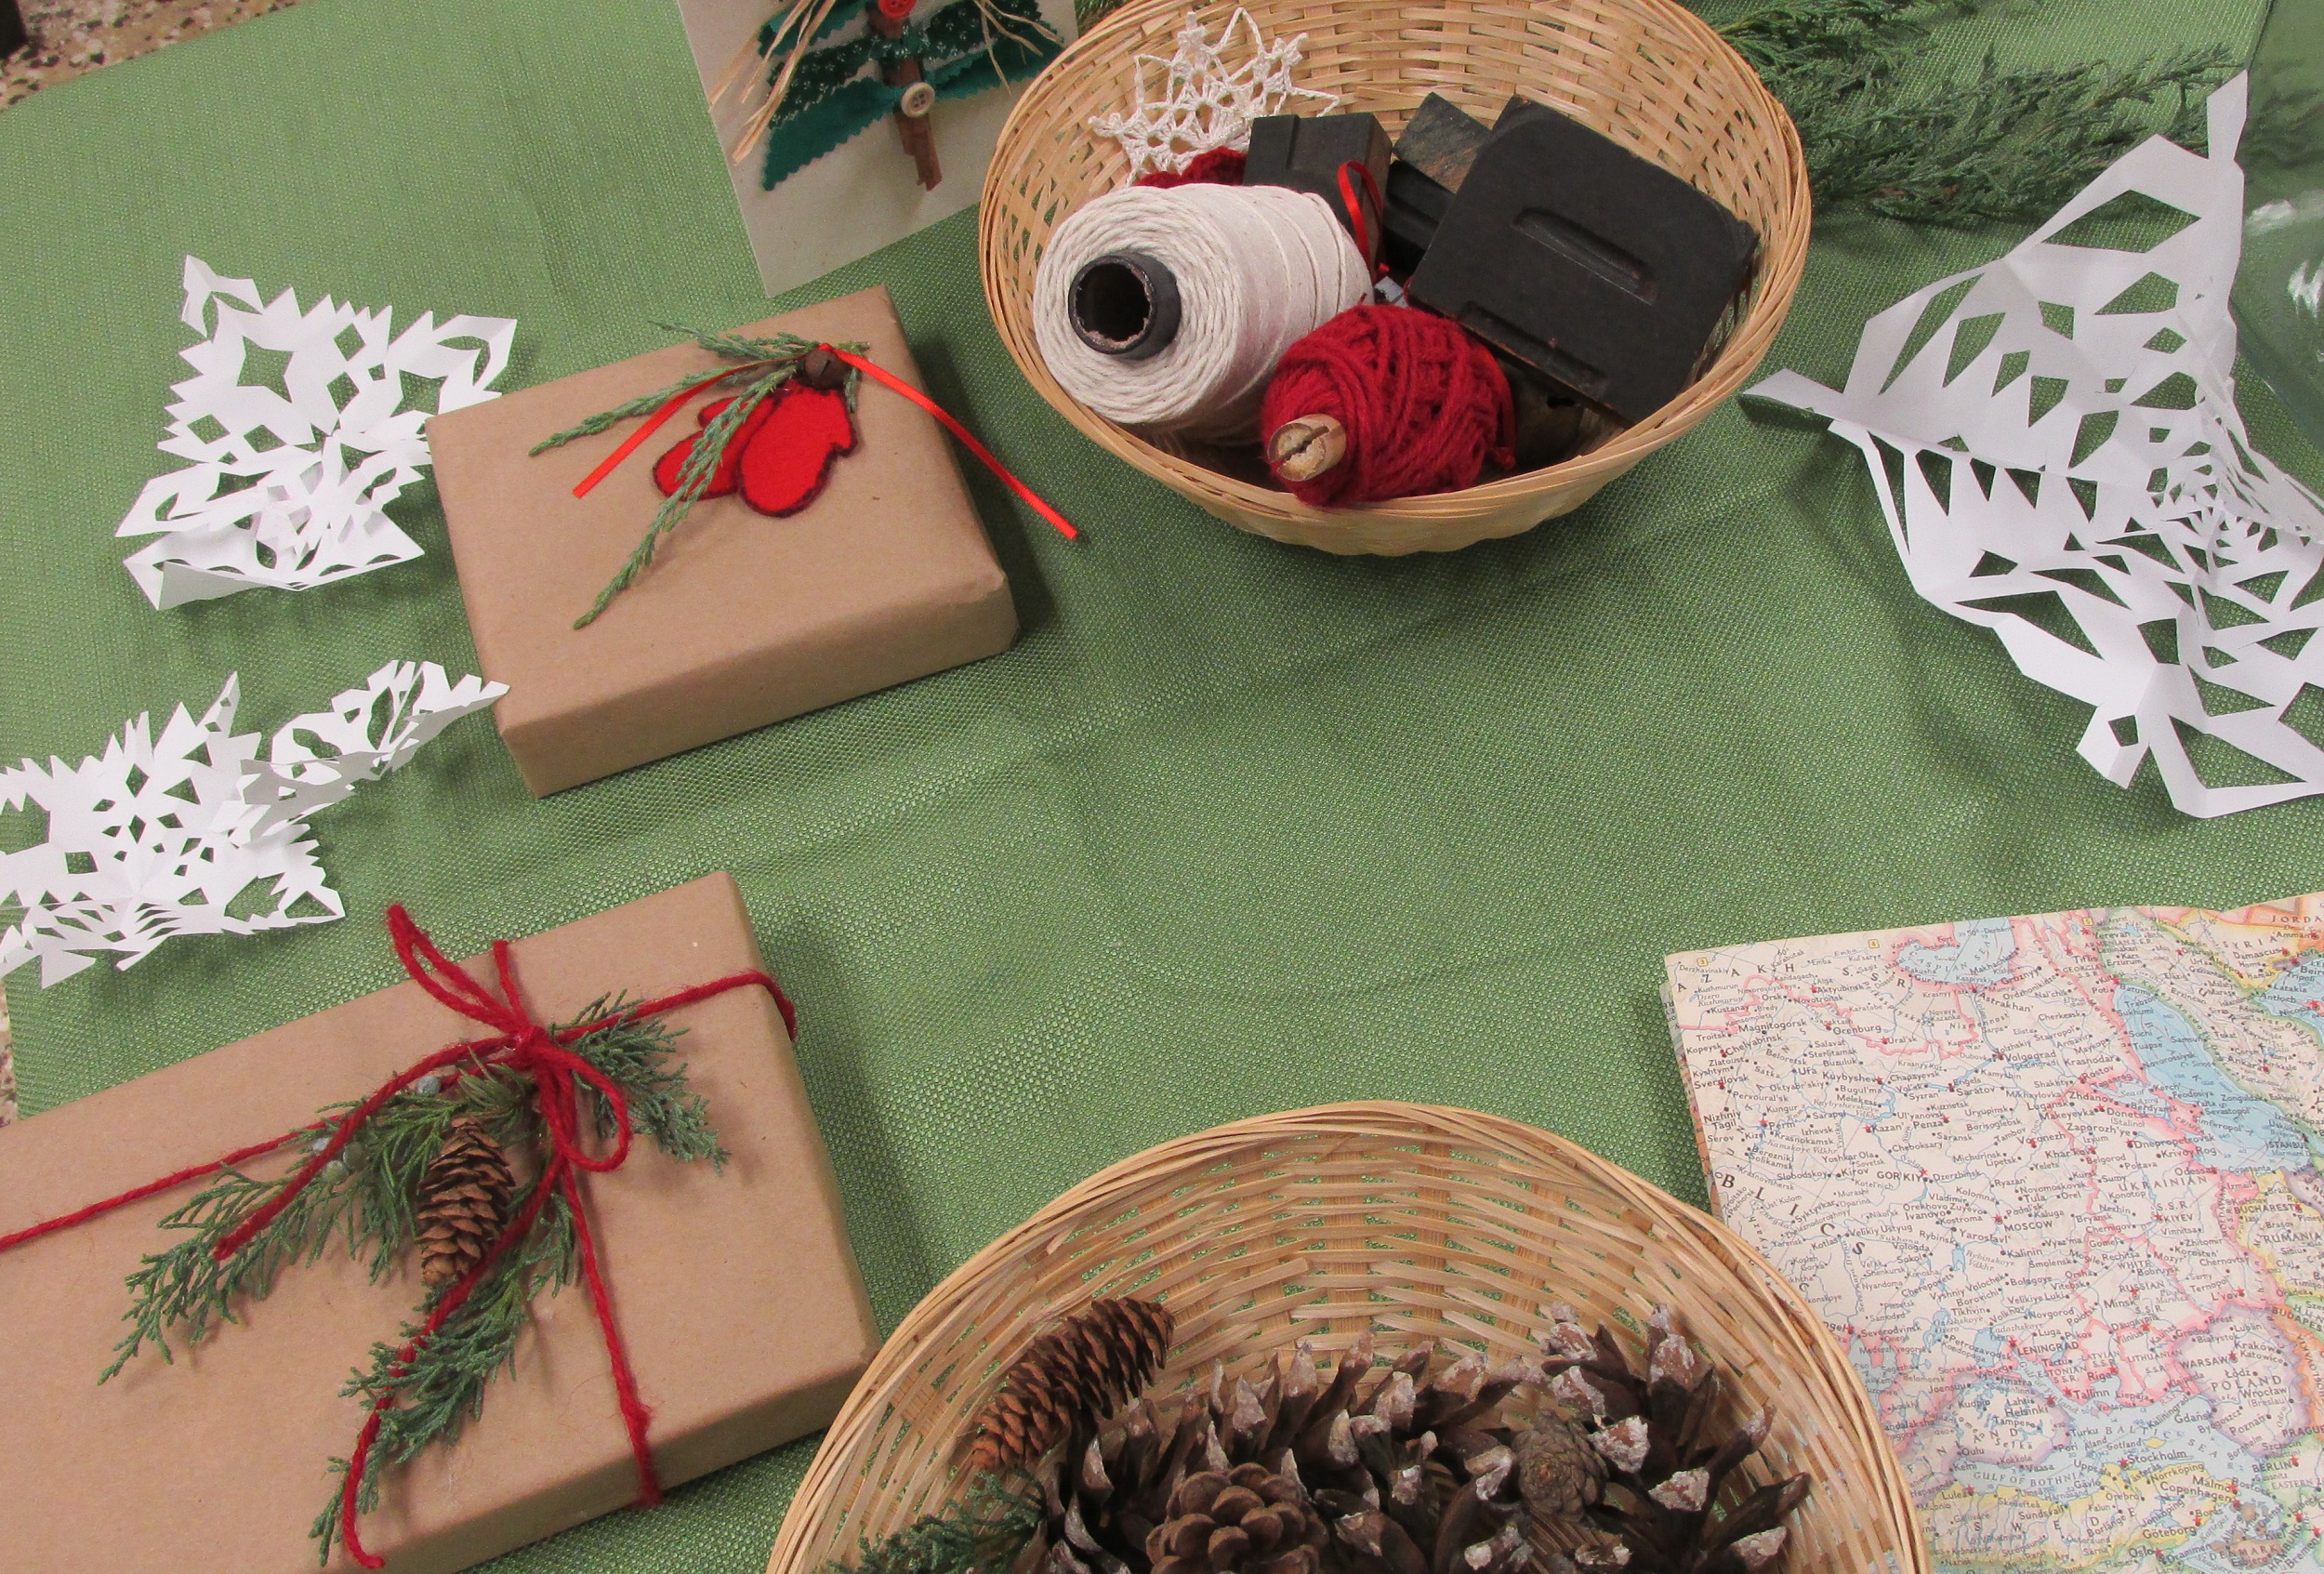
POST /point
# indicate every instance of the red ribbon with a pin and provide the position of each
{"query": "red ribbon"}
(1355, 215)
(520, 1044)
(885, 379)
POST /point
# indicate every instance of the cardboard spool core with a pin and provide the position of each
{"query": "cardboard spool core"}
(1125, 303)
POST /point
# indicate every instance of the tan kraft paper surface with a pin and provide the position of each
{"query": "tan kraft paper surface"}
(742, 619)
(737, 1293)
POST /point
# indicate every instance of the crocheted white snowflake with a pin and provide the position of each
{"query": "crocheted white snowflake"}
(301, 427)
(2054, 440)
(1193, 102)
(193, 833)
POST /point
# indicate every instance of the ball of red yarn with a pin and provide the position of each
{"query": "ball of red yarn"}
(1425, 404)
(1220, 166)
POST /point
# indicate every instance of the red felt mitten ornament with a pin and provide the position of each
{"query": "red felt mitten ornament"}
(782, 455)
(723, 479)
(790, 457)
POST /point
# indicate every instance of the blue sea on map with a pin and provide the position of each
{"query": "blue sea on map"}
(2238, 1131)
(1979, 955)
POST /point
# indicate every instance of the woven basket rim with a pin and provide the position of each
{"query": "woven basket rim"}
(1782, 264)
(1392, 1123)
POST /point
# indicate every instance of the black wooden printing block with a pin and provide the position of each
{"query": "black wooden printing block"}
(1432, 158)
(1307, 152)
(1599, 269)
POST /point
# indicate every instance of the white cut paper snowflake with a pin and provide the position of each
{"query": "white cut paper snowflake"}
(1192, 103)
(2055, 444)
(192, 833)
(296, 450)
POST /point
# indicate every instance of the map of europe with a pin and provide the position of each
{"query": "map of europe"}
(2057, 1185)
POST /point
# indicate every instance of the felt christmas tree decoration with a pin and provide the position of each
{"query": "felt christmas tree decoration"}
(899, 59)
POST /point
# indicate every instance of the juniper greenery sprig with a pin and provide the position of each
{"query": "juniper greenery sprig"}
(369, 1200)
(763, 366)
(443, 1389)
(2011, 144)
(981, 1533)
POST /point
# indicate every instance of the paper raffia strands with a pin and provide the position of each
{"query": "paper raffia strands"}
(193, 833)
(291, 468)
(1194, 102)
(2056, 445)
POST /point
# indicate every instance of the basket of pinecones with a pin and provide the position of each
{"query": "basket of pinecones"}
(1363, 1339)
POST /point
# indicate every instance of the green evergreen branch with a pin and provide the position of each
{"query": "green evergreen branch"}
(639, 1056)
(2002, 144)
(369, 1196)
(777, 358)
(434, 1398)
(984, 1533)
(644, 404)
(693, 479)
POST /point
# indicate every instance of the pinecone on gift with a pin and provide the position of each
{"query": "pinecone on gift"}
(1401, 1473)
(1665, 1458)
(463, 1201)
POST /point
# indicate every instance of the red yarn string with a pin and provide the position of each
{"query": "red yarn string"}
(521, 1044)
(1425, 405)
(1218, 166)
(97, 1210)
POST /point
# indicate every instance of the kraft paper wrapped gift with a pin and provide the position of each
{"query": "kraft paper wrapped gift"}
(736, 1292)
(743, 619)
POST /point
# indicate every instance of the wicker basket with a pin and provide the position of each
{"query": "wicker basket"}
(1648, 73)
(1422, 1223)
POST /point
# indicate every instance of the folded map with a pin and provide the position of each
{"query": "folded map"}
(2054, 1182)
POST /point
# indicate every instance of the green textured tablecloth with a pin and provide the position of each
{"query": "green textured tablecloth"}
(1235, 827)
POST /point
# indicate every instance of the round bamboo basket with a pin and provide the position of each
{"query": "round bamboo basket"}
(1420, 1223)
(1648, 73)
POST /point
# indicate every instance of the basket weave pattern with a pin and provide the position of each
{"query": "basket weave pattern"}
(1420, 1223)
(1648, 73)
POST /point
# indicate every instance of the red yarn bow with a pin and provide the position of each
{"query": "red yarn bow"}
(520, 1043)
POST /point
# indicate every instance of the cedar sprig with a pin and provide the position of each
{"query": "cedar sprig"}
(1998, 144)
(2002, 144)
(763, 366)
(369, 1197)
(441, 1390)
(984, 1533)
(639, 1055)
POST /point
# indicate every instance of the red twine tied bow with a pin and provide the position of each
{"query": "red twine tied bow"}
(879, 373)
(521, 1044)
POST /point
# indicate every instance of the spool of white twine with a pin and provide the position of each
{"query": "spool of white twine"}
(1168, 308)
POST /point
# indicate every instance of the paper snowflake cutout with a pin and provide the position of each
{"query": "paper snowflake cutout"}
(193, 833)
(1198, 103)
(296, 449)
(2056, 445)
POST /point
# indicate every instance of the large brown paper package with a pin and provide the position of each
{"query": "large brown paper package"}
(737, 1294)
(742, 619)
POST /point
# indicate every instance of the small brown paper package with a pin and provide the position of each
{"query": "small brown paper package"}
(743, 619)
(735, 1291)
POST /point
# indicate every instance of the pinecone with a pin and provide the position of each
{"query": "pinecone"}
(1247, 1521)
(1558, 1471)
(1665, 1456)
(1358, 1459)
(1070, 1380)
(463, 1201)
